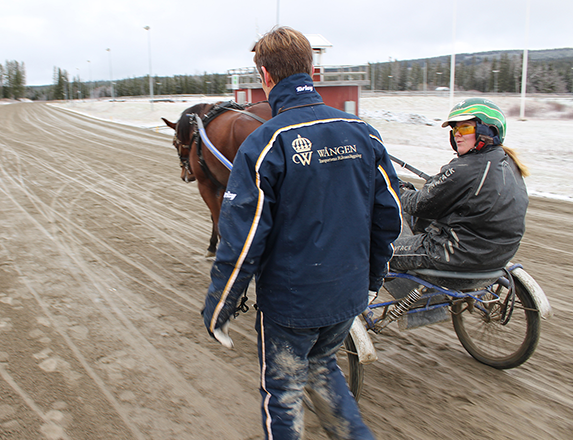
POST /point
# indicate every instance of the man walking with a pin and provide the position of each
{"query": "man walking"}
(311, 210)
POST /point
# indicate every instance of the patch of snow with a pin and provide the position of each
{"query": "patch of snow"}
(410, 126)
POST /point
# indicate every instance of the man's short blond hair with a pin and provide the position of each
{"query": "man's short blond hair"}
(283, 52)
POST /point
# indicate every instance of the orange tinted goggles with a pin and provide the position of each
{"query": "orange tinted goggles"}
(464, 129)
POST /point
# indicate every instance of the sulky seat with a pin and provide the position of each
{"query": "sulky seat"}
(456, 280)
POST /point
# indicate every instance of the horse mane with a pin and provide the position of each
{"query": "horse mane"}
(184, 126)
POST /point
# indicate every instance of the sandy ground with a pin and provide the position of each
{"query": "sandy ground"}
(102, 277)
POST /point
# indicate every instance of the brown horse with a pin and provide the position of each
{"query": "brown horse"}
(227, 125)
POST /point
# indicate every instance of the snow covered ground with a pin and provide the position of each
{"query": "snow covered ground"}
(411, 128)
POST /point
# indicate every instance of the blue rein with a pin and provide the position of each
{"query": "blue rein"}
(226, 162)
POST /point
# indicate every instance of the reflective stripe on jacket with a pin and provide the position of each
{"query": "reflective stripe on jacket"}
(311, 209)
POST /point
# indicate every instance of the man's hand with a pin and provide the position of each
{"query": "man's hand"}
(221, 334)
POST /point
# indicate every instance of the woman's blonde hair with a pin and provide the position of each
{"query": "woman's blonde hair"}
(523, 170)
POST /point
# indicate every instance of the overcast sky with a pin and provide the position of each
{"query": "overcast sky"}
(191, 36)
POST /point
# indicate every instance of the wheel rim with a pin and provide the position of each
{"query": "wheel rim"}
(502, 334)
(347, 359)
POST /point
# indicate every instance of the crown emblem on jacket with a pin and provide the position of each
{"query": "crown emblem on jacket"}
(301, 144)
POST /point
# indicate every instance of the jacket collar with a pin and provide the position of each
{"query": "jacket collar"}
(293, 91)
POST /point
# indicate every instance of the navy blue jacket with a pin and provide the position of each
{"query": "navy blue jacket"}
(311, 209)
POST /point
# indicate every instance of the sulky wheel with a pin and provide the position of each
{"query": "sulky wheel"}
(502, 334)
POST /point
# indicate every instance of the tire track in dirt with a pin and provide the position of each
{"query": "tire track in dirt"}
(49, 428)
(95, 220)
(130, 335)
(73, 242)
(134, 210)
(128, 213)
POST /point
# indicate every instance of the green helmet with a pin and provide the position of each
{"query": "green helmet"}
(482, 109)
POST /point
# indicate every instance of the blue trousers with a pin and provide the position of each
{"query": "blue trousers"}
(294, 359)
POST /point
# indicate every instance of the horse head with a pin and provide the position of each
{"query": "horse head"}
(228, 125)
(185, 130)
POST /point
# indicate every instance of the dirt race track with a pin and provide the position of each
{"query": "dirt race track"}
(103, 274)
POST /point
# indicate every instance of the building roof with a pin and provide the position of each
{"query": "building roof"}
(317, 41)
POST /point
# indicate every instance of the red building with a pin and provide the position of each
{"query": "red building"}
(339, 86)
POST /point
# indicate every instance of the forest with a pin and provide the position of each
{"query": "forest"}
(549, 71)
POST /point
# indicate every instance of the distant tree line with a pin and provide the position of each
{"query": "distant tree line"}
(549, 71)
(12, 80)
(500, 73)
(66, 87)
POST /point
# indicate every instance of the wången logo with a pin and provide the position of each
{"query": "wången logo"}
(303, 148)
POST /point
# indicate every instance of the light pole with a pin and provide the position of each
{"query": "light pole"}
(110, 75)
(278, 11)
(524, 67)
(373, 75)
(91, 84)
(79, 84)
(453, 58)
(495, 72)
(438, 79)
(147, 28)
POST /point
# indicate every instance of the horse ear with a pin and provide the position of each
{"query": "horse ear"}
(169, 124)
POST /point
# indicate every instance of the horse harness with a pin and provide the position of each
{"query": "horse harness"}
(183, 159)
(215, 111)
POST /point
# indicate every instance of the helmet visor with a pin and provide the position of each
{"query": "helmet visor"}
(458, 118)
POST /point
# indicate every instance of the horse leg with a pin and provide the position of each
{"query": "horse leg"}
(210, 195)
(215, 232)
(212, 249)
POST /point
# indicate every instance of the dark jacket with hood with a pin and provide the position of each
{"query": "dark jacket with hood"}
(311, 209)
(477, 205)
